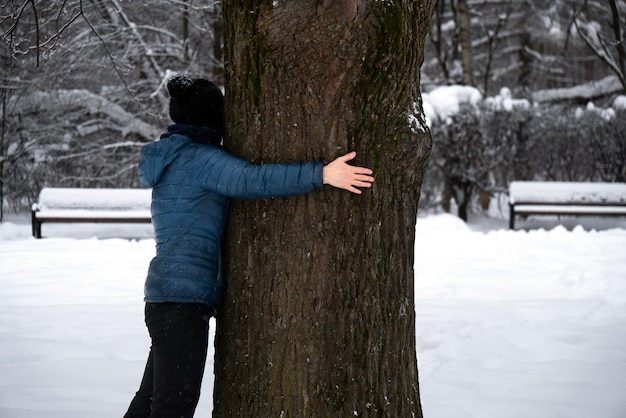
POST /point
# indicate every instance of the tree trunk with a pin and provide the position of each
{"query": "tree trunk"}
(3, 150)
(619, 33)
(466, 43)
(185, 31)
(318, 316)
(217, 48)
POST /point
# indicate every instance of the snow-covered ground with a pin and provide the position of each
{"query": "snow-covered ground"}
(526, 323)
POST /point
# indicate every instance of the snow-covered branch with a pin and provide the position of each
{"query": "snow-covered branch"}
(591, 33)
(581, 93)
(97, 106)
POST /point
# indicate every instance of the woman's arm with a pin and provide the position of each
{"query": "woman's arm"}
(234, 177)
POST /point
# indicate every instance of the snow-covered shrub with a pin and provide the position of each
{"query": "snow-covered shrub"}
(608, 138)
(579, 146)
(479, 150)
(619, 103)
(474, 155)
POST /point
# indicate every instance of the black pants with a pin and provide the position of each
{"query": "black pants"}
(170, 387)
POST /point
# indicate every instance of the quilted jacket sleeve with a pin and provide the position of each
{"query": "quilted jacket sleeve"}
(234, 177)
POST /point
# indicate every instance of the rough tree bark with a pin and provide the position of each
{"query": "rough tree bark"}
(318, 317)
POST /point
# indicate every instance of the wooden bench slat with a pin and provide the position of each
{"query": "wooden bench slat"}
(84, 213)
(569, 210)
(93, 220)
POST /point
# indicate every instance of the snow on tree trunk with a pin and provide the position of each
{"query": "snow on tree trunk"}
(318, 316)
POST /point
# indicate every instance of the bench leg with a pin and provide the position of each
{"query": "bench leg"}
(36, 225)
(511, 216)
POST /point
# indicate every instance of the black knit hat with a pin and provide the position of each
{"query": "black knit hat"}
(196, 101)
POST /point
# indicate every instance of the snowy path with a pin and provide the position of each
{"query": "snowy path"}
(509, 323)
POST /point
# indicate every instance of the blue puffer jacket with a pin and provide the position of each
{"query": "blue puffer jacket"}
(191, 182)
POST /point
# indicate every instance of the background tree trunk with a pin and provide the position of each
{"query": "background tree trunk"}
(466, 43)
(318, 316)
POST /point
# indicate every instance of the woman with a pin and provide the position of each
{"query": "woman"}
(192, 178)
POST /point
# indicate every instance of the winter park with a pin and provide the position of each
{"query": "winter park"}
(501, 295)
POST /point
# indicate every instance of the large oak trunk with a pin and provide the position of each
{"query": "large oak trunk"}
(318, 317)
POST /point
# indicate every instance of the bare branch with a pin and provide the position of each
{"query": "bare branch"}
(619, 34)
(148, 51)
(600, 48)
(32, 2)
(112, 59)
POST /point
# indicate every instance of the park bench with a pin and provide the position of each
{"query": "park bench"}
(77, 205)
(566, 198)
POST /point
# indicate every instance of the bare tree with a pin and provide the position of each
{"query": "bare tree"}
(492, 35)
(318, 317)
(607, 45)
(466, 42)
(105, 63)
(444, 44)
(474, 39)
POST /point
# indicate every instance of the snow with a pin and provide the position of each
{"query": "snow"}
(606, 86)
(505, 101)
(567, 192)
(619, 102)
(510, 324)
(102, 199)
(445, 101)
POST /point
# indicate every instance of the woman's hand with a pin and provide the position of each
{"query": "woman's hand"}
(342, 175)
